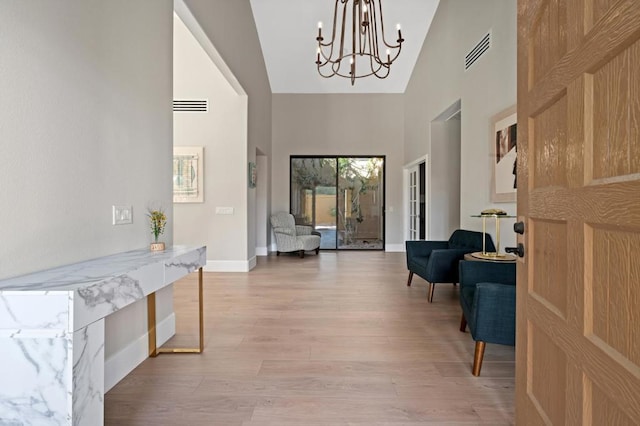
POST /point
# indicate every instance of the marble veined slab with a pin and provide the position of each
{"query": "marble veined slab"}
(92, 289)
(52, 331)
(84, 274)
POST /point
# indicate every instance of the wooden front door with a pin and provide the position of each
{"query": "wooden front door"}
(578, 298)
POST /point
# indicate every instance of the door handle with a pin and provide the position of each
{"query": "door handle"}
(518, 228)
(516, 250)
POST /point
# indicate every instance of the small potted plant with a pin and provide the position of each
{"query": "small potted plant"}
(157, 221)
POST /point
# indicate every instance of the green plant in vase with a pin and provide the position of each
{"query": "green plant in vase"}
(157, 222)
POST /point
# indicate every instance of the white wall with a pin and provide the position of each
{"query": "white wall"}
(444, 188)
(341, 125)
(222, 133)
(230, 26)
(85, 117)
(262, 203)
(489, 87)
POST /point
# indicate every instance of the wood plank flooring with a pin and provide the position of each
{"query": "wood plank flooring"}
(335, 339)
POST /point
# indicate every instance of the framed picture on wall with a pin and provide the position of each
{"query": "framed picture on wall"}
(503, 140)
(188, 170)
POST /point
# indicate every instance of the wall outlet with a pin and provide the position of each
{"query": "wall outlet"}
(224, 210)
(122, 215)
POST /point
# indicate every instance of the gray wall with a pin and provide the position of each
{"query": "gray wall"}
(86, 123)
(340, 125)
(444, 192)
(489, 87)
(230, 26)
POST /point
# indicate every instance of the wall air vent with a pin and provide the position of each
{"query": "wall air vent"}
(475, 53)
(182, 105)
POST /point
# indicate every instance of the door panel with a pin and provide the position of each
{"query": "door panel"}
(578, 343)
(414, 207)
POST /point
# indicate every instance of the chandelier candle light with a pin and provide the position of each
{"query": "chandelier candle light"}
(367, 38)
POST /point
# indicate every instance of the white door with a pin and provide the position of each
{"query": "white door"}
(414, 203)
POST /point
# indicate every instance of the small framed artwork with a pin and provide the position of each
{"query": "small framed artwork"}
(252, 175)
(188, 170)
(503, 140)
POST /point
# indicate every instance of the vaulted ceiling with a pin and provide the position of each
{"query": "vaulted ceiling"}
(287, 30)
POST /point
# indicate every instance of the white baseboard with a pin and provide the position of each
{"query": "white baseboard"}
(262, 251)
(394, 247)
(123, 362)
(230, 265)
(274, 248)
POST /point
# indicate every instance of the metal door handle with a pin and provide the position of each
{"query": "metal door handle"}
(516, 250)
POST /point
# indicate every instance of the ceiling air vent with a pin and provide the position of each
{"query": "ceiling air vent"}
(181, 105)
(482, 46)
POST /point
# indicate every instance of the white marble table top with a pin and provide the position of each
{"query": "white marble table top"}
(74, 276)
(84, 292)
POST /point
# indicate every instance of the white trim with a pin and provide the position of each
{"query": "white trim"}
(123, 362)
(399, 248)
(229, 265)
(415, 162)
(253, 262)
(262, 251)
(405, 195)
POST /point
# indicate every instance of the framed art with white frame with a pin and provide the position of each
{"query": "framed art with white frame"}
(188, 172)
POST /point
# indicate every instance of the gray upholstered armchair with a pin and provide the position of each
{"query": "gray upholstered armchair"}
(291, 237)
(488, 301)
(437, 261)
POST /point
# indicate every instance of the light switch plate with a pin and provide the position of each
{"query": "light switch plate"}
(122, 215)
(224, 210)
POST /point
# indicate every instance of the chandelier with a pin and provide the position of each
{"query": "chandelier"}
(356, 54)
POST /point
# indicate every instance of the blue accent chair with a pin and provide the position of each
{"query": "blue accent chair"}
(488, 301)
(437, 261)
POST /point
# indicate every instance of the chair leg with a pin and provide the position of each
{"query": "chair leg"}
(463, 323)
(277, 253)
(301, 254)
(432, 287)
(409, 280)
(318, 250)
(477, 358)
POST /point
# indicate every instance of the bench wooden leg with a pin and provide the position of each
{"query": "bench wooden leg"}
(301, 254)
(432, 287)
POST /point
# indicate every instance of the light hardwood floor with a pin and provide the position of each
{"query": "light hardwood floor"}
(334, 339)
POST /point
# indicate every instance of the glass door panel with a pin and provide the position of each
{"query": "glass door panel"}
(342, 198)
(313, 196)
(360, 207)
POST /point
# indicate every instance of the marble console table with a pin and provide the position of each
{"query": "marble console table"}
(52, 331)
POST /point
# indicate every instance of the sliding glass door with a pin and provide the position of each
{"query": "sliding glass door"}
(342, 198)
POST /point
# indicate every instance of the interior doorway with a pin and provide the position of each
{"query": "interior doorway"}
(444, 193)
(342, 198)
(417, 202)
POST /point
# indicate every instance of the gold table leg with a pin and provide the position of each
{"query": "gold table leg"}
(151, 324)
